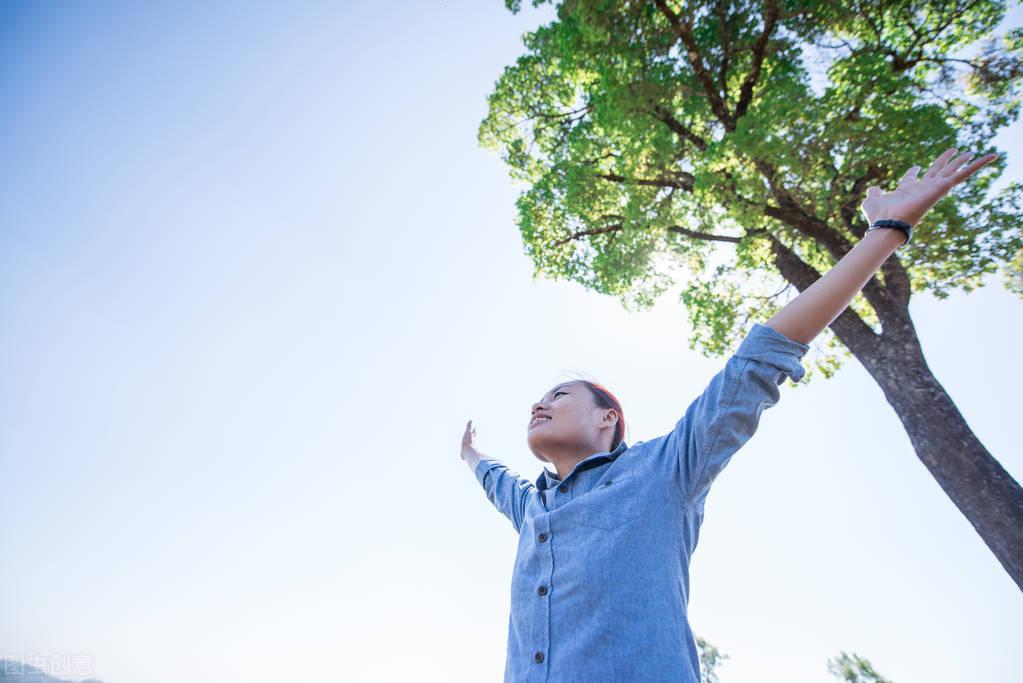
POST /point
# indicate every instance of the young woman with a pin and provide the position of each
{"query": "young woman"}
(600, 585)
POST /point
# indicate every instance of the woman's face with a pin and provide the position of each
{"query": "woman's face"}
(566, 418)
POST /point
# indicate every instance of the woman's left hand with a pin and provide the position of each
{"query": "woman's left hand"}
(914, 196)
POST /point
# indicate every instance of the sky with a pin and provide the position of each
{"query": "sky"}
(255, 276)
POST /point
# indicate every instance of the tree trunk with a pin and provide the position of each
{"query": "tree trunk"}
(979, 486)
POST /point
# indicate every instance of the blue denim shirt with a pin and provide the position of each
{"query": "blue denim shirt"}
(600, 587)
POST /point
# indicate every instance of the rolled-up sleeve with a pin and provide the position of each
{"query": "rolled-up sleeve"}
(505, 489)
(727, 413)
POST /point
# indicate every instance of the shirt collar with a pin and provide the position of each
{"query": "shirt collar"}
(548, 479)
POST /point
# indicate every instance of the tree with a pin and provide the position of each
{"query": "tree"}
(661, 134)
(854, 669)
(1013, 274)
(851, 669)
(710, 658)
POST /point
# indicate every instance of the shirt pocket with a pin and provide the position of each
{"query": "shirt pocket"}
(617, 500)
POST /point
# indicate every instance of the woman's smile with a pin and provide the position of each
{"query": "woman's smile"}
(538, 419)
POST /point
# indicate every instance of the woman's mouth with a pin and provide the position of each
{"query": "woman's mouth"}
(538, 420)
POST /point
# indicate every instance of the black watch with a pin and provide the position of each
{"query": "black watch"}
(905, 227)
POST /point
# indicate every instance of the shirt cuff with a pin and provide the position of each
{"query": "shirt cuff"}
(768, 345)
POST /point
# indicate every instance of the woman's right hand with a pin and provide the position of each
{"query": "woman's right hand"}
(469, 452)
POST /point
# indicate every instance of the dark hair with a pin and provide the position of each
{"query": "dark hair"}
(605, 399)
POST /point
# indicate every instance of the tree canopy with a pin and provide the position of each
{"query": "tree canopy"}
(708, 142)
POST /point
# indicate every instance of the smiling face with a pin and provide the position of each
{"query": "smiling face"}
(568, 419)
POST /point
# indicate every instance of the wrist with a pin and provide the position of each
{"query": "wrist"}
(901, 228)
(471, 457)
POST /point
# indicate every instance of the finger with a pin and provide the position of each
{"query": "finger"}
(940, 162)
(971, 168)
(909, 177)
(873, 191)
(953, 165)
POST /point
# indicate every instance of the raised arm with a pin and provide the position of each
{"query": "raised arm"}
(504, 488)
(803, 318)
(727, 413)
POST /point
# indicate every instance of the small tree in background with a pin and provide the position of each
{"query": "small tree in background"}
(710, 658)
(1014, 274)
(854, 669)
(851, 669)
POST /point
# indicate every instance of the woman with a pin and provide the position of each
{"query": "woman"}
(601, 579)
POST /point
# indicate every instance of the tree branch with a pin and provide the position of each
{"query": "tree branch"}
(706, 236)
(614, 227)
(759, 53)
(848, 326)
(849, 209)
(545, 116)
(685, 32)
(679, 128)
(686, 184)
(889, 305)
(726, 48)
(792, 213)
(896, 280)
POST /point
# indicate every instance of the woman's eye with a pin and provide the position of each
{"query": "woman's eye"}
(558, 392)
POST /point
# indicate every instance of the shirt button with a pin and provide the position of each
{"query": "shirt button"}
(542, 590)
(563, 488)
(542, 537)
(538, 657)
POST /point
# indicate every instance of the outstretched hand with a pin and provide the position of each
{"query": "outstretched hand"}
(468, 448)
(914, 197)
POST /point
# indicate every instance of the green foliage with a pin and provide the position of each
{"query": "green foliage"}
(854, 669)
(710, 658)
(1013, 274)
(848, 668)
(645, 149)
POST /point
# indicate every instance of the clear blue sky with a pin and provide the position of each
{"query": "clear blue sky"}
(255, 275)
